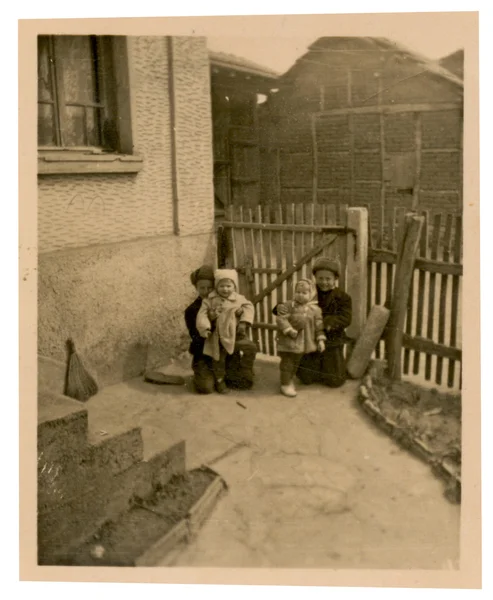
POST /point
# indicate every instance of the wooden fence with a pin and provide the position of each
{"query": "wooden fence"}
(268, 242)
(432, 337)
(272, 247)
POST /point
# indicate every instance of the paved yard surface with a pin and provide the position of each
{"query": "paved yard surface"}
(312, 482)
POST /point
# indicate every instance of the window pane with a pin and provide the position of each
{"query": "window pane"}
(45, 84)
(46, 126)
(73, 133)
(78, 68)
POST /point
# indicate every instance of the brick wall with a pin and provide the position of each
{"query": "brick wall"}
(319, 83)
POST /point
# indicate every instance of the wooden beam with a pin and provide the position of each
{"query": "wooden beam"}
(420, 344)
(313, 125)
(423, 264)
(402, 285)
(417, 174)
(278, 174)
(295, 267)
(339, 229)
(391, 108)
(351, 156)
(382, 160)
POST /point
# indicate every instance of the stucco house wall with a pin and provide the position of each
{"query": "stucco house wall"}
(116, 249)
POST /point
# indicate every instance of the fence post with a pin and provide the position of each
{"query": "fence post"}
(400, 296)
(357, 268)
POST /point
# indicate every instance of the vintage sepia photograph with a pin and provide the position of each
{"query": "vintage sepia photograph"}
(250, 298)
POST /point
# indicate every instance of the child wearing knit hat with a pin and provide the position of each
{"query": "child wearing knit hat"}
(222, 321)
(202, 280)
(300, 331)
(328, 367)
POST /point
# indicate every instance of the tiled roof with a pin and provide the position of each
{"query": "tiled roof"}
(237, 63)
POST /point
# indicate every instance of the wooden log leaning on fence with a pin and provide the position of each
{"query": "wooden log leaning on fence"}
(369, 338)
(400, 297)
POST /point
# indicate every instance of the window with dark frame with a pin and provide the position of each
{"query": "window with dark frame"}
(76, 93)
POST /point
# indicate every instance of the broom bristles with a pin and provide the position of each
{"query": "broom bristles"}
(80, 384)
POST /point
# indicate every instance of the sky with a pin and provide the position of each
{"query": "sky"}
(279, 49)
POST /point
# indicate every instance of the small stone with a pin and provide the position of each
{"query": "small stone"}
(433, 411)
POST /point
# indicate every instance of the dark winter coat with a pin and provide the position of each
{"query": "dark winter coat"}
(337, 312)
(196, 348)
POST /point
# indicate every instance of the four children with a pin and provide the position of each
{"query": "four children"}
(311, 331)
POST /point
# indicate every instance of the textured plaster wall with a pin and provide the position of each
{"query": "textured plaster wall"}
(111, 272)
(193, 123)
(75, 211)
(122, 303)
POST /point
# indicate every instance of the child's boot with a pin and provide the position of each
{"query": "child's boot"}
(288, 390)
(221, 387)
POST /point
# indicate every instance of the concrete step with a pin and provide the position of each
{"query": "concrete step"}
(51, 375)
(65, 523)
(68, 475)
(62, 427)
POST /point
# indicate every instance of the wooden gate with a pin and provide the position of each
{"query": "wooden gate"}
(272, 247)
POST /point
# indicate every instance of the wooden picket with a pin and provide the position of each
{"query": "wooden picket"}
(432, 335)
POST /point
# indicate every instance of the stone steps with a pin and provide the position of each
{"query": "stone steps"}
(82, 484)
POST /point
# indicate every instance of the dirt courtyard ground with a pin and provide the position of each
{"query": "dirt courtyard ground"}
(312, 483)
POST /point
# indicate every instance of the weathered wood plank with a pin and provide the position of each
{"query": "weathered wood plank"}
(257, 262)
(423, 251)
(289, 272)
(447, 242)
(430, 347)
(400, 298)
(437, 221)
(390, 109)
(332, 228)
(455, 299)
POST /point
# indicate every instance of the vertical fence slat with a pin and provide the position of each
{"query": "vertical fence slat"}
(437, 222)
(378, 280)
(447, 240)
(240, 250)
(455, 306)
(331, 218)
(231, 260)
(269, 262)
(246, 217)
(278, 250)
(309, 238)
(401, 216)
(423, 252)
(369, 285)
(342, 246)
(258, 263)
(289, 249)
(319, 217)
(299, 237)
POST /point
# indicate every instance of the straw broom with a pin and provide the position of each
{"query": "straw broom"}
(79, 384)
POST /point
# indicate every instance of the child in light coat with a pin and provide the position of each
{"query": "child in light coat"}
(230, 313)
(300, 332)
